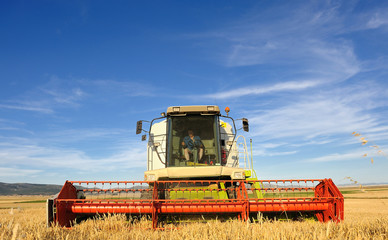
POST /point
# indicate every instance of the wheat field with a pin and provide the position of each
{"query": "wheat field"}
(366, 217)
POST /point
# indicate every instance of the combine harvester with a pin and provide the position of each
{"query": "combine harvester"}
(197, 166)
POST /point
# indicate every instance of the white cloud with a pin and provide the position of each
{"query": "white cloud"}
(375, 135)
(120, 88)
(259, 90)
(272, 145)
(60, 93)
(324, 113)
(16, 172)
(272, 154)
(329, 61)
(82, 134)
(337, 62)
(378, 19)
(303, 44)
(46, 98)
(353, 156)
(70, 97)
(43, 157)
(294, 37)
(25, 106)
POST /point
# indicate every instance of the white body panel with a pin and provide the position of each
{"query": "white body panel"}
(158, 135)
(227, 135)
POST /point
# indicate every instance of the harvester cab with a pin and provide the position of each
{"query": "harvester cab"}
(194, 143)
(196, 166)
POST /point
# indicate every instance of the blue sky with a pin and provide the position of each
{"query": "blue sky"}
(77, 75)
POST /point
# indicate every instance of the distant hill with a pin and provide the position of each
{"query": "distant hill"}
(364, 185)
(35, 189)
(28, 189)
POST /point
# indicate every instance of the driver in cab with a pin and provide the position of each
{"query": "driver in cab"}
(192, 144)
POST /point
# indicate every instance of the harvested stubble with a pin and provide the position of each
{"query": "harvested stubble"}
(30, 224)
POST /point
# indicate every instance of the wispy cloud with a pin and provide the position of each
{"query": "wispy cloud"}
(45, 98)
(82, 134)
(353, 156)
(378, 19)
(259, 90)
(325, 113)
(74, 150)
(27, 107)
(59, 93)
(73, 88)
(303, 43)
(17, 172)
(44, 157)
(119, 88)
(266, 153)
(70, 97)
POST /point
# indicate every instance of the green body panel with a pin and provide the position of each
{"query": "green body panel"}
(208, 194)
(248, 174)
(256, 186)
(211, 192)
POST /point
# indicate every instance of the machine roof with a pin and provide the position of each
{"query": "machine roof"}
(205, 109)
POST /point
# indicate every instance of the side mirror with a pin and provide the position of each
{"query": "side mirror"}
(139, 127)
(245, 124)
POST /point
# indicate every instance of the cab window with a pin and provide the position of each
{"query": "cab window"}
(192, 141)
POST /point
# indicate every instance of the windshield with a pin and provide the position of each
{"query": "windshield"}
(193, 141)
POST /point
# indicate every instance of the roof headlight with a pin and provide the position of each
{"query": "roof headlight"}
(238, 175)
(150, 177)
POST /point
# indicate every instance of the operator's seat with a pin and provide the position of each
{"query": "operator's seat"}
(209, 150)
